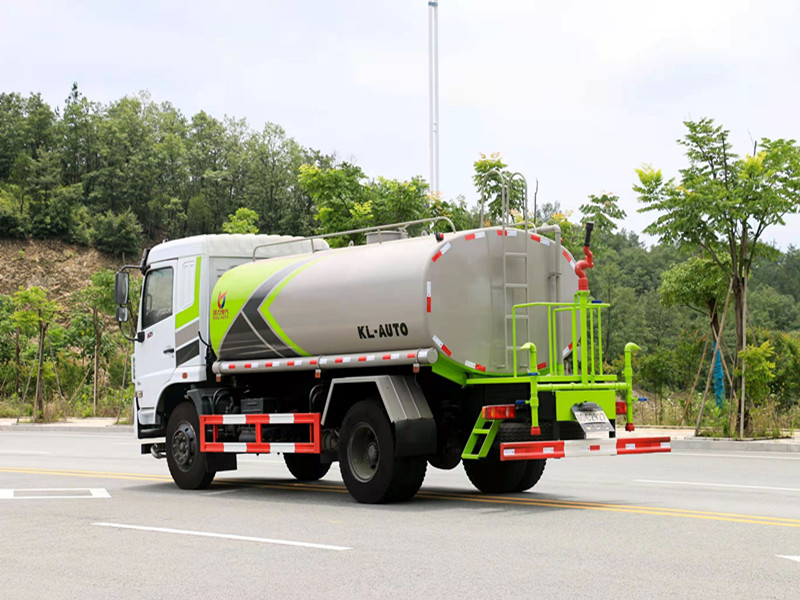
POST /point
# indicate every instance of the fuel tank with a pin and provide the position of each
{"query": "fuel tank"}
(453, 293)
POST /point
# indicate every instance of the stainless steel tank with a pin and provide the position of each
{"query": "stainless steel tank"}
(453, 293)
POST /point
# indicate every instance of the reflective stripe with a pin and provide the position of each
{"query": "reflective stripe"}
(234, 447)
(282, 447)
(234, 419)
(285, 419)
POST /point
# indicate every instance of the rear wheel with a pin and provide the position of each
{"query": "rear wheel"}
(187, 465)
(493, 476)
(306, 467)
(370, 469)
(533, 472)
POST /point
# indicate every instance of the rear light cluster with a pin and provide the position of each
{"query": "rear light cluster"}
(498, 412)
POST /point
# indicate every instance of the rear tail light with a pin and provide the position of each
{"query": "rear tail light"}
(498, 412)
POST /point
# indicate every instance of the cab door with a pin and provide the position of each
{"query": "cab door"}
(155, 354)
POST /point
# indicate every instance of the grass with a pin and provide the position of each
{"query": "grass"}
(768, 420)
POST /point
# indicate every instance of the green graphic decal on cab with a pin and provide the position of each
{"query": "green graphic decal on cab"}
(192, 312)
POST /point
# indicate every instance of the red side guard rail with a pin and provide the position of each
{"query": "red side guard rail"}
(259, 446)
(591, 447)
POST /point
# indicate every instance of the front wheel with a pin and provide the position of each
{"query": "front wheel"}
(187, 465)
(370, 469)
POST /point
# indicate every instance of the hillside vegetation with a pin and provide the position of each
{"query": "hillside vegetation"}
(83, 187)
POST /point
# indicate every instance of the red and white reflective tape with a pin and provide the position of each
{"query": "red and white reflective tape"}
(541, 366)
(259, 446)
(476, 366)
(254, 419)
(579, 448)
(542, 240)
(569, 258)
(262, 448)
(643, 445)
(508, 232)
(442, 345)
(428, 296)
(478, 235)
(566, 350)
(423, 356)
(441, 252)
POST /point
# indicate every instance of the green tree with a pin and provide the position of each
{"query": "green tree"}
(603, 211)
(723, 204)
(12, 132)
(490, 176)
(117, 234)
(770, 309)
(78, 136)
(98, 300)
(457, 211)
(272, 167)
(398, 201)
(761, 369)
(12, 223)
(243, 220)
(342, 198)
(699, 285)
(35, 313)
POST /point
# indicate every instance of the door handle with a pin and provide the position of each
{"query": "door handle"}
(169, 350)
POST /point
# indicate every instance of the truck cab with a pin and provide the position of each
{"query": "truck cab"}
(170, 352)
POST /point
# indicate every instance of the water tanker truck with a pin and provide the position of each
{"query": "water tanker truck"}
(481, 348)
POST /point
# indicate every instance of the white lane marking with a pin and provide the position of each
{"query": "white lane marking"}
(725, 485)
(225, 536)
(763, 455)
(24, 452)
(794, 558)
(10, 494)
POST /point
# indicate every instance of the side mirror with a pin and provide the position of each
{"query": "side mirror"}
(121, 285)
(122, 314)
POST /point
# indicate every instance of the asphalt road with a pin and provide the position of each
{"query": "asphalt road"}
(84, 515)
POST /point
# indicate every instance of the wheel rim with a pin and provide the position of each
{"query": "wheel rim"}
(363, 453)
(184, 446)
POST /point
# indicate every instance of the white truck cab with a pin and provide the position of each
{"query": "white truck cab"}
(172, 330)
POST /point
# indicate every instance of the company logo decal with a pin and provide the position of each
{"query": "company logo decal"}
(383, 330)
(221, 312)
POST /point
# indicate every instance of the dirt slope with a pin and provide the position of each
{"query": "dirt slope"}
(59, 267)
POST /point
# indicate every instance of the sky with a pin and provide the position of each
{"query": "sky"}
(576, 93)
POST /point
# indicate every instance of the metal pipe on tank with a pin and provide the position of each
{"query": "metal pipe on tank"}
(555, 278)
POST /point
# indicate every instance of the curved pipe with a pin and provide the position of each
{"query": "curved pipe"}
(581, 266)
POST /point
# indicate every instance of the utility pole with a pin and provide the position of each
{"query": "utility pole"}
(433, 94)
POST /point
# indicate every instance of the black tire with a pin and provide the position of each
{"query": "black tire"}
(370, 469)
(187, 465)
(533, 472)
(493, 476)
(306, 467)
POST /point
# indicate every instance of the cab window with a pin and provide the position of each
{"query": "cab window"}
(157, 297)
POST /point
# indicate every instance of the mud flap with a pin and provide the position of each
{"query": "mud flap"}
(405, 405)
